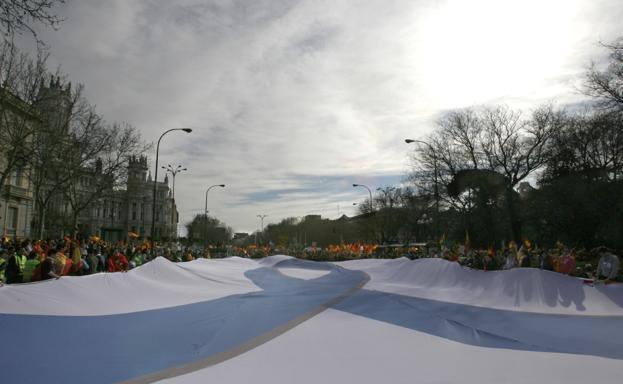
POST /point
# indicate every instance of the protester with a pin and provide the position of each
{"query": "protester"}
(47, 268)
(15, 267)
(117, 262)
(3, 264)
(29, 267)
(608, 267)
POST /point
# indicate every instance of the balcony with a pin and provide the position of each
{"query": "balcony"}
(16, 192)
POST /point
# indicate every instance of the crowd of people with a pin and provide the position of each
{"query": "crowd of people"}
(596, 263)
(29, 261)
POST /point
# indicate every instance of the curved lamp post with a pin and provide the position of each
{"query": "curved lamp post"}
(205, 212)
(153, 211)
(369, 191)
(435, 181)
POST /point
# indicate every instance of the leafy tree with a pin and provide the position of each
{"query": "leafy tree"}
(217, 232)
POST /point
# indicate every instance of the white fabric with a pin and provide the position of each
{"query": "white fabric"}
(518, 289)
(341, 346)
(338, 347)
(157, 284)
(301, 273)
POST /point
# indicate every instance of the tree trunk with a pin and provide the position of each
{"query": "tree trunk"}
(513, 216)
(42, 222)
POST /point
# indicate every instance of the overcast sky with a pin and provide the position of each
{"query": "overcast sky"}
(293, 101)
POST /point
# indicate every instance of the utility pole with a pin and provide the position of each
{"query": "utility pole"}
(262, 224)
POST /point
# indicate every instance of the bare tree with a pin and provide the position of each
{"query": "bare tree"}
(96, 159)
(20, 77)
(495, 139)
(18, 16)
(55, 107)
(607, 85)
(591, 143)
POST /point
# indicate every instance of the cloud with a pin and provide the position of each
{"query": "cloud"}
(292, 101)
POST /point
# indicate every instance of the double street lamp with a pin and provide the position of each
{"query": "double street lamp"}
(153, 212)
(174, 172)
(205, 211)
(435, 180)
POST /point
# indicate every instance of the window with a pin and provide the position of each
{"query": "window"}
(19, 175)
(13, 212)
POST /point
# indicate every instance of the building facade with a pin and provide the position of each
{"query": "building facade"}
(111, 215)
(16, 193)
(121, 212)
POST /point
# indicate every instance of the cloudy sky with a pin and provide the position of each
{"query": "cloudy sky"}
(292, 101)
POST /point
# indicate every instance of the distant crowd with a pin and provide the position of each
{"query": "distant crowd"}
(29, 261)
(596, 263)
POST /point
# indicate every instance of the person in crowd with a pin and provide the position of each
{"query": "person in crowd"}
(545, 261)
(117, 262)
(3, 264)
(32, 261)
(136, 260)
(47, 269)
(510, 260)
(523, 257)
(489, 261)
(62, 264)
(101, 260)
(189, 255)
(567, 262)
(92, 260)
(608, 267)
(15, 266)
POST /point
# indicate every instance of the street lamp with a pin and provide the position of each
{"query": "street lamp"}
(369, 191)
(174, 172)
(206, 210)
(153, 212)
(435, 178)
(262, 220)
